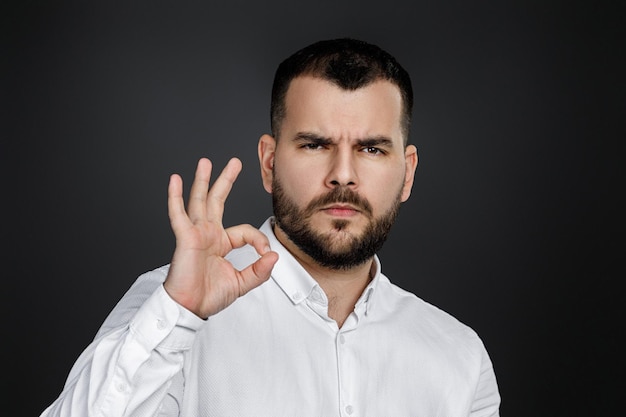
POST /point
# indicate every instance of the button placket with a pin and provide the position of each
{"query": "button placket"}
(345, 378)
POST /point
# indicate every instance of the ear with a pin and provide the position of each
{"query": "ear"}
(410, 156)
(267, 150)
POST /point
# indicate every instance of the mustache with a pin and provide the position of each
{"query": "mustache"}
(342, 195)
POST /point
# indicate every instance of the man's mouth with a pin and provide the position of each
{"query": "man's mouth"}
(341, 210)
(340, 202)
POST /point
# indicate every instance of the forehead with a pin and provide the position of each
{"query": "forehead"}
(317, 105)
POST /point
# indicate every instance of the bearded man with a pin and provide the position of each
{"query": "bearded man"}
(294, 318)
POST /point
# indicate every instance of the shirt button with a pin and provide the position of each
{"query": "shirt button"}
(342, 339)
(122, 387)
(349, 409)
(161, 324)
(297, 296)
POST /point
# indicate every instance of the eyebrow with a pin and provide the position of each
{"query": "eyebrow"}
(310, 137)
(377, 141)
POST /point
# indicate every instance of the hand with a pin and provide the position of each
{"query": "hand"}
(199, 278)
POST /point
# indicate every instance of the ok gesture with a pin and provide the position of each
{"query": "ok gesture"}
(199, 278)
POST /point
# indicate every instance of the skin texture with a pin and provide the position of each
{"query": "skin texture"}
(330, 138)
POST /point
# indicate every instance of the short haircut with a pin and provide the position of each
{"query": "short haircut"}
(348, 63)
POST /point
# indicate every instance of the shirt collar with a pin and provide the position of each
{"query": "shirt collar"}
(364, 303)
(298, 284)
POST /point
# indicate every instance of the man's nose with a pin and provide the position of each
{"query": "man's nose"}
(342, 170)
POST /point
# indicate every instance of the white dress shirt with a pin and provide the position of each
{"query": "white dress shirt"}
(275, 352)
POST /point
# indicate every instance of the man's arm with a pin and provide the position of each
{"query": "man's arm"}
(487, 397)
(141, 348)
(129, 367)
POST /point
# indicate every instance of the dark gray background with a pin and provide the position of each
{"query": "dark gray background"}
(515, 222)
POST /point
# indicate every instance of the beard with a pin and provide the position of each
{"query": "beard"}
(338, 249)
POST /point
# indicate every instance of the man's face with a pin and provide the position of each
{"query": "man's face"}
(339, 171)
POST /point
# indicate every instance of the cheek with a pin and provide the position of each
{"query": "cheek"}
(296, 183)
(385, 190)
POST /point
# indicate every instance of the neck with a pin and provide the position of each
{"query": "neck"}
(342, 287)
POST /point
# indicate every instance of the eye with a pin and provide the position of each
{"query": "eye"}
(312, 146)
(372, 150)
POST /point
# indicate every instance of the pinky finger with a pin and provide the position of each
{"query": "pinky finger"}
(175, 203)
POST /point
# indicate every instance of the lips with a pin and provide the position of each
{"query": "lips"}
(341, 210)
(340, 201)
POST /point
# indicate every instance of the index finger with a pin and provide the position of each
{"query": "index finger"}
(220, 190)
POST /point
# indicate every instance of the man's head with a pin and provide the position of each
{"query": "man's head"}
(348, 63)
(342, 166)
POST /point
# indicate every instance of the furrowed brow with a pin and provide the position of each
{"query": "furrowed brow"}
(309, 137)
(376, 141)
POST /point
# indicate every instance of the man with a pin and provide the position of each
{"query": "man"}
(294, 319)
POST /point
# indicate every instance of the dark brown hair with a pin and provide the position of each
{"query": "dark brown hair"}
(348, 63)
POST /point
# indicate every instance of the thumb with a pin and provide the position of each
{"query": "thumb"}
(258, 272)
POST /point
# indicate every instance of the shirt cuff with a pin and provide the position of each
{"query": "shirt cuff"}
(163, 322)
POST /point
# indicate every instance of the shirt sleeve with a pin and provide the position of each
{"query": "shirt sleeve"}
(487, 397)
(139, 350)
